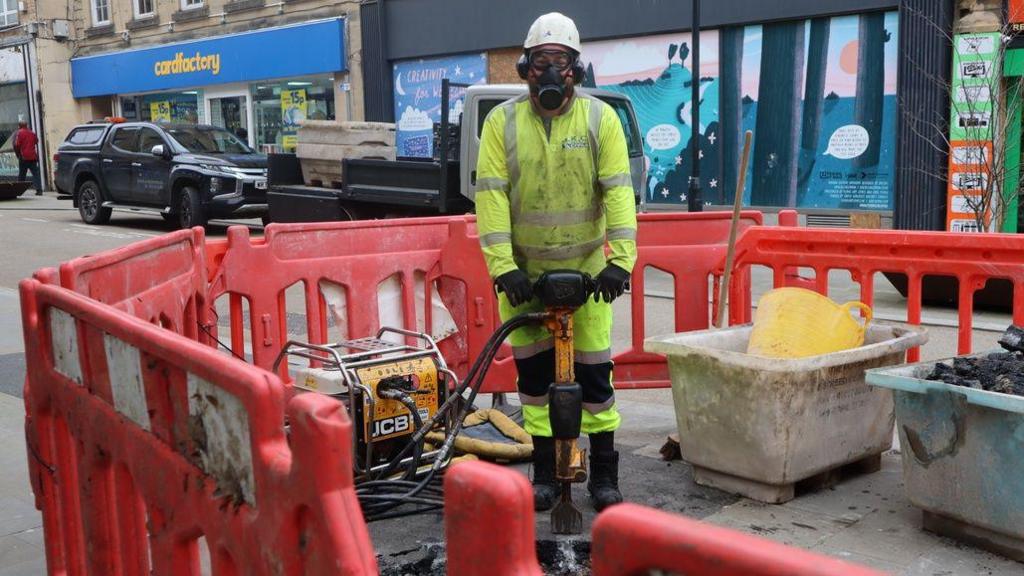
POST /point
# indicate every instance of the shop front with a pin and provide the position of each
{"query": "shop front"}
(259, 85)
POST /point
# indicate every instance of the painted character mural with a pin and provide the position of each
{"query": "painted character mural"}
(819, 96)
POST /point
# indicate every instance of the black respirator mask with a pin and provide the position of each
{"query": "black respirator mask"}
(550, 89)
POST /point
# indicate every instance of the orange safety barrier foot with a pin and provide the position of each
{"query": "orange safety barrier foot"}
(488, 517)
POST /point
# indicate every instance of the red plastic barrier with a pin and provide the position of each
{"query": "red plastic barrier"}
(146, 442)
(972, 259)
(361, 255)
(691, 248)
(631, 539)
(356, 255)
(161, 280)
(489, 521)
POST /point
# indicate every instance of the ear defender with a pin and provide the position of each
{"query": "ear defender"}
(579, 72)
(523, 67)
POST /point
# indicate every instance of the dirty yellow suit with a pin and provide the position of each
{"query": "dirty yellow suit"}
(551, 200)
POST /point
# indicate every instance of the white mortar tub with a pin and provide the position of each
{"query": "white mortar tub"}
(756, 426)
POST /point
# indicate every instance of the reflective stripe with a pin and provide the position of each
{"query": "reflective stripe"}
(499, 184)
(622, 234)
(596, 422)
(559, 252)
(495, 238)
(595, 407)
(527, 400)
(587, 215)
(528, 350)
(615, 181)
(594, 130)
(599, 357)
(512, 154)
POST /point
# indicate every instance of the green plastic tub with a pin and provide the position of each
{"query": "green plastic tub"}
(963, 456)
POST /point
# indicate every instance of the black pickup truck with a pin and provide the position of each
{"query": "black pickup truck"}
(186, 173)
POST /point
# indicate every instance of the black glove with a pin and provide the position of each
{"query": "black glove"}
(610, 283)
(516, 285)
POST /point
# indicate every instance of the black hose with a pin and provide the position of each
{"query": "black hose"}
(404, 492)
(485, 358)
(417, 453)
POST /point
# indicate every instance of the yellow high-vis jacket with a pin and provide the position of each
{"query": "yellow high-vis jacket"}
(547, 202)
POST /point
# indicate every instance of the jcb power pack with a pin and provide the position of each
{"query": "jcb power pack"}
(390, 389)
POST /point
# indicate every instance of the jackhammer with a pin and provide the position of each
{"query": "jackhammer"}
(562, 292)
(397, 392)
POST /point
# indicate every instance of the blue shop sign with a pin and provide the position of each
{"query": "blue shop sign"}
(297, 50)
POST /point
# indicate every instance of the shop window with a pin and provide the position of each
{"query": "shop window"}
(143, 8)
(176, 107)
(281, 106)
(100, 12)
(189, 4)
(8, 12)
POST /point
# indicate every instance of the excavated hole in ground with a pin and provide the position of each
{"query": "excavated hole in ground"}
(556, 557)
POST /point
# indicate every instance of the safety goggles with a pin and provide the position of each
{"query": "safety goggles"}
(543, 59)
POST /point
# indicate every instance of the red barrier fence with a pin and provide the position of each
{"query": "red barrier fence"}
(627, 539)
(146, 442)
(143, 442)
(972, 259)
(161, 280)
(360, 256)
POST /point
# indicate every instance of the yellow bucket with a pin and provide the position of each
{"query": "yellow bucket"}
(794, 323)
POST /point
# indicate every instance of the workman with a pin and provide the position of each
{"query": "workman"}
(553, 185)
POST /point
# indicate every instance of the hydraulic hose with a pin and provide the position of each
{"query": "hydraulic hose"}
(396, 493)
(472, 380)
(417, 453)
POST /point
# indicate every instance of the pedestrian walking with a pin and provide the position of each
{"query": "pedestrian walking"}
(26, 149)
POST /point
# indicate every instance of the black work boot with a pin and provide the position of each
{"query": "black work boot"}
(604, 471)
(545, 488)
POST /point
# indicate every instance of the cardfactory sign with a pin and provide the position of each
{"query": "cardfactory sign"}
(182, 64)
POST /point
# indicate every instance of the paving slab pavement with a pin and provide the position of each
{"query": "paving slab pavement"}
(21, 525)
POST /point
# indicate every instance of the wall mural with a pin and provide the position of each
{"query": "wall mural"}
(418, 97)
(819, 96)
(656, 73)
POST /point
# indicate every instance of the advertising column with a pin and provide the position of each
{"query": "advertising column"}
(972, 186)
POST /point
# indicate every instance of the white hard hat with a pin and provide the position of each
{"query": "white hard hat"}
(553, 28)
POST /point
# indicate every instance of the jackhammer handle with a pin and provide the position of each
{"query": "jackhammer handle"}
(564, 288)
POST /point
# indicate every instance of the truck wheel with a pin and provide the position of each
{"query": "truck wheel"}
(90, 204)
(190, 209)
